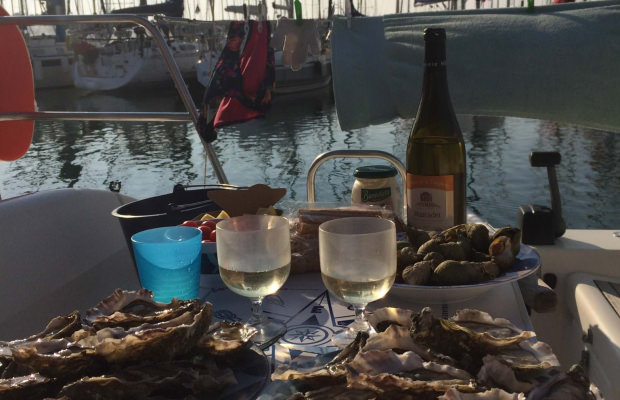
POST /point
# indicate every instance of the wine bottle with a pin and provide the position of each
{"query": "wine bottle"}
(435, 150)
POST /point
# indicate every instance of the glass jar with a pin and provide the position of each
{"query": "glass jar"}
(376, 185)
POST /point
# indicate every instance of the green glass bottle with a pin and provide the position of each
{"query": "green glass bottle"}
(298, 16)
(435, 150)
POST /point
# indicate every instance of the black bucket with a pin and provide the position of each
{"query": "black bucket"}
(166, 210)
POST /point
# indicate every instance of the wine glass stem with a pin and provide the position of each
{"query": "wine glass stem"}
(257, 311)
(360, 322)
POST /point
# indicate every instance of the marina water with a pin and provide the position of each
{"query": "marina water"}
(147, 159)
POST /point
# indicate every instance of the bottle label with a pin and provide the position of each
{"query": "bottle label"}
(430, 201)
(376, 195)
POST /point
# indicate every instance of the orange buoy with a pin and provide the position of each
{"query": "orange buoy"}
(16, 92)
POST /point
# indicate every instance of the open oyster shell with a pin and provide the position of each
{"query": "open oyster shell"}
(492, 394)
(128, 346)
(152, 342)
(180, 379)
(471, 356)
(374, 362)
(225, 338)
(33, 386)
(59, 327)
(92, 350)
(382, 318)
(59, 358)
(455, 339)
(397, 387)
(129, 309)
(333, 373)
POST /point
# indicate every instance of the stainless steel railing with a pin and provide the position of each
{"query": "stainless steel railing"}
(175, 73)
(323, 157)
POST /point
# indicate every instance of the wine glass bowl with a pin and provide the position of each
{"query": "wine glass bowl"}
(358, 264)
(254, 257)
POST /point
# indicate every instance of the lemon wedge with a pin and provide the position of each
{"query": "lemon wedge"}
(223, 214)
(206, 216)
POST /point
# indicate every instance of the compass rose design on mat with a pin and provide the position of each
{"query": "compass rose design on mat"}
(307, 335)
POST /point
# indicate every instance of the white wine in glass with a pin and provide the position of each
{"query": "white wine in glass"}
(254, 257)
(358, 265)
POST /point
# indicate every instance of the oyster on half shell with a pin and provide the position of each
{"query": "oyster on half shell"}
(468, 346)
(225, 338)
(128, 309)
(28, 387)
(59, 327)
(159, 341)
(179, 378)
(416, 356)
(333, 373)
(88, 350)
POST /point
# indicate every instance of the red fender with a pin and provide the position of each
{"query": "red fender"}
(16, 92)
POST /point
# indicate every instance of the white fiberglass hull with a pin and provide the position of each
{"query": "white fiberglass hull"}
(51, 62)
(124, 64)
(314, 74)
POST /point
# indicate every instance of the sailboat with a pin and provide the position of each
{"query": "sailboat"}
(129, 61)
(128, 56)
(51, 58)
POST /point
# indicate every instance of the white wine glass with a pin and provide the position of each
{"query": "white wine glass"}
(254, 257)
(358, 265)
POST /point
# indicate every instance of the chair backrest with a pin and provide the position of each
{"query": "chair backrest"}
(60, 250)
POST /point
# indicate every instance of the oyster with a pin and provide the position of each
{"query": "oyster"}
(128, 346)
(456, 340)
(180, 378)
(59, 358)
(133, 308)
(418, 273)
(514, 234)
(572, 385)
(494, 373)
(335, 392)
(389, 386)
(398, 338)
(58, 327)
(152, 342)
(409, 363)
(482, 322)
(500, 251)
(225, 338)
(381, 318)
(492, 394)
(451, 272)
(529, 358)
(471, 356)
(333, 373)
(28, 387)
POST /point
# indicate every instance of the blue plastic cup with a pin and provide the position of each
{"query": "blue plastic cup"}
(168, 261)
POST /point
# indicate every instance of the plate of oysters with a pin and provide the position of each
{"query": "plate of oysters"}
(131, 347)
(415, 355)
(460, 263)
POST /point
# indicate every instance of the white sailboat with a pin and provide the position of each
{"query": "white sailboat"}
(51, 59)
(130, 61)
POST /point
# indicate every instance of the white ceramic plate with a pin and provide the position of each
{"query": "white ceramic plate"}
(527, 263)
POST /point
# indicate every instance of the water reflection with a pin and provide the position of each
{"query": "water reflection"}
(149, 158)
